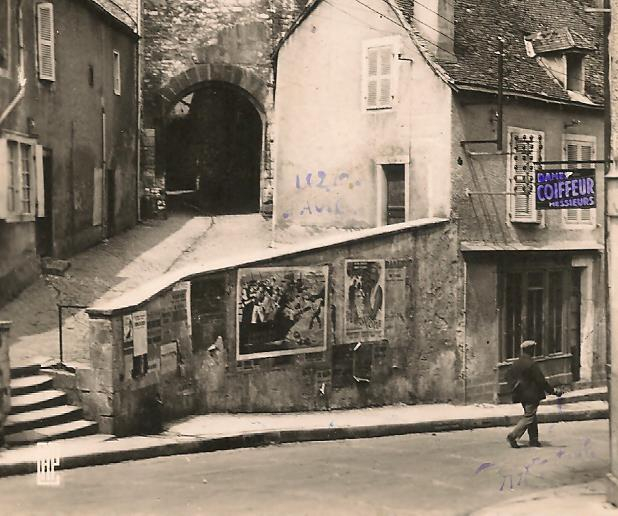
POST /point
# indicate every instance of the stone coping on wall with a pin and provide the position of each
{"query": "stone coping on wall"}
(563, 245)
(133, 299)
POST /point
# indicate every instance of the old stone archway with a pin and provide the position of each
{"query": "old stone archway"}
(213, 138)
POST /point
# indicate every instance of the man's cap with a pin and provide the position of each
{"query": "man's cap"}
(527, 344)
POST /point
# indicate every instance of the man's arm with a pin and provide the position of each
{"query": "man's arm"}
(541, 380)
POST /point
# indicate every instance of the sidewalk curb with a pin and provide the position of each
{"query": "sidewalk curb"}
(256, 439)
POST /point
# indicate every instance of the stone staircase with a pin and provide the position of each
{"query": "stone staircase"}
(39, 412)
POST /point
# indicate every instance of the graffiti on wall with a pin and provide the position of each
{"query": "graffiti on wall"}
(281, 311)
(328, 194)
(364, 300)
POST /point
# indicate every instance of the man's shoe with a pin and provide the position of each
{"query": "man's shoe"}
(512, 441)
(536, 444)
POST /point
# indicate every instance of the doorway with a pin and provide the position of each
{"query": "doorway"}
(44, 226)
(212, 150)
(110, 185)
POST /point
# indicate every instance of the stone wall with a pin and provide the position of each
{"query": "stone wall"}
(5, 377)
(193, 362)
(180, 35)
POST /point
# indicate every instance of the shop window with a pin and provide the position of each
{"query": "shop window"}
(536, 307)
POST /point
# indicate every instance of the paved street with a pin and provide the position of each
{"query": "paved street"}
(444, 473)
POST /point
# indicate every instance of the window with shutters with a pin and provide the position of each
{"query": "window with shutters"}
(526, 148)
(18, 179)
(116, 73)
(579, 148)
(45, 42)
(380, 73)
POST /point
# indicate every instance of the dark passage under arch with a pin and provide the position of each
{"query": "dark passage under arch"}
(213, 146)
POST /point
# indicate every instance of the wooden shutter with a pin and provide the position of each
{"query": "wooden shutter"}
(524, 151)
(372, 78)
(97, 197)
(4, 179)
(579, 151)
(386, 67)
(39, 181)
(586, 152)
(45, 35)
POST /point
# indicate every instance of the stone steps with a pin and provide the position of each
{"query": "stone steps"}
(39, 412)
(37, 400)
(68, 430)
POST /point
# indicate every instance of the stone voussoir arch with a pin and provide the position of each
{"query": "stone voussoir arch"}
(189, 80)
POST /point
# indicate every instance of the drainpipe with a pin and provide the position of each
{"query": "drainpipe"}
(138, 87)
(20, 69)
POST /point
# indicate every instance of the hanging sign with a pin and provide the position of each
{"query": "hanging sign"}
(565, 189)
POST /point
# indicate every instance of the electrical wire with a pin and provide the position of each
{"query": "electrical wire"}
(416, 2)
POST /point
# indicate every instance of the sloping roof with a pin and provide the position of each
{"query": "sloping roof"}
(478, 23)
(124, 11)
(557, 40)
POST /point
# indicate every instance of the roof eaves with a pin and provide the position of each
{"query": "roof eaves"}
(116, 12)
(531, 96)
(311, 5)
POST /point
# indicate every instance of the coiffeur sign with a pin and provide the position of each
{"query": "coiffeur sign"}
(560, 189)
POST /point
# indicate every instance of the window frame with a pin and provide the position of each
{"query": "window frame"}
(569, 72)
(394, 42)
(579, 139)
(116, 73)
(40, 43)
(381, 187)
(536, 216)
(35, 169)
(524, 310)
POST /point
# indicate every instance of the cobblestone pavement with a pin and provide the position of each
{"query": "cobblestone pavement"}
(116, 266)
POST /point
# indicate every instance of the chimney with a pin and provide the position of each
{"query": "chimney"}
(435, 20)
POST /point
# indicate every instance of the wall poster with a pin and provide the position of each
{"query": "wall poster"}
(364, 300)
(281, 311)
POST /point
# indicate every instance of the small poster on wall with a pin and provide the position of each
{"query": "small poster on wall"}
(140, 335)
(184, 287)
(281, 311)
(364, 300)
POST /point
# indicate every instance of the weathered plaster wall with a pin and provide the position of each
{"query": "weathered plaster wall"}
(18, 260)
(323, 129)
(418, 360)
(65, 117)
(485, 217)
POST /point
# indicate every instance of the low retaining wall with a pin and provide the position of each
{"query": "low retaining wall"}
(363, 320)
(5, 377)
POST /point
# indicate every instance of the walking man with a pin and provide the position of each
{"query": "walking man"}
(529, 388)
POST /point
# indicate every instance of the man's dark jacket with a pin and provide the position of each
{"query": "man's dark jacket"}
(527, 381)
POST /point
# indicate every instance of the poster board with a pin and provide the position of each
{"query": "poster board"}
(364, 286)
(281, 311)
